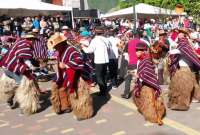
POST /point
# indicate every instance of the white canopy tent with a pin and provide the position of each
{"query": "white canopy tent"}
(141, 9)
(29, 7)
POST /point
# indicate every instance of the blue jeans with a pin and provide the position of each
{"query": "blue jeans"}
(14, 76)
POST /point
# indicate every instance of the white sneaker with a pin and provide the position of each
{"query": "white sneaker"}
(37, 73)
(114, 87)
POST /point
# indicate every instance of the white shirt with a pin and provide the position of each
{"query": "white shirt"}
(183, 62)
(98, 46)
(113, 54)
(145, 41)
(147, 26)
(172, 43)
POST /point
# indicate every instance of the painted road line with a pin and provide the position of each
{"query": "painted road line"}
(67, 130)
(42, 120)
(148, 124)
(171, 123)
(180, 127)
(198, 108)
(119, 133)
(123, 102)
(4, 123)
(101, 121)
(51, 130)
(128, 113)
(50, 115)
(2, 114)
(18, 126)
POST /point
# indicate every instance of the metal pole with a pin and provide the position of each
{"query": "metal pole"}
(134, 15)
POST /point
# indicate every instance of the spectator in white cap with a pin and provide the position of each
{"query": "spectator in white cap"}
(66, 32)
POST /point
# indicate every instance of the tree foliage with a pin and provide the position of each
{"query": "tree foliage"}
(192, 7)
(124, 4)
(195, 10)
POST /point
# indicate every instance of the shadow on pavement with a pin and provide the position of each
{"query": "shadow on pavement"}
(99, 101)
(45, 101)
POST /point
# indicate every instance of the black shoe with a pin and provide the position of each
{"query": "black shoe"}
(14, 106)
(102, 93)
(67, 111)
(10, 103)
(44, 72)
(126, 96)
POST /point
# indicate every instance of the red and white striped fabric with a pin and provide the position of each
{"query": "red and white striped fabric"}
(71, 57)
(77, 67)
(186, 52)
(40, 50)
(146, 72)
(20, 51)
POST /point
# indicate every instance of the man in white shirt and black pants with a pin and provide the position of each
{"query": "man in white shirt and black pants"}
(99, 46)
(113, 58)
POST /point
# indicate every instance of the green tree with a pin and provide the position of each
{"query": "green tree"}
(152, 2)
(195, 10)
(192, 7)
(124, 4)
(171, 4)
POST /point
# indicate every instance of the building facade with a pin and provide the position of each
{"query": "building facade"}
(81, 4)
(72, 3)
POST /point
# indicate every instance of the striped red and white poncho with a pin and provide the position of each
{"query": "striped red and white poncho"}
(77, 67)
(187, 52)
(15, 58)
(40, 50)
(146, 76)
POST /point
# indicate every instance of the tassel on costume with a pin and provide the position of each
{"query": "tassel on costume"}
(181, 88)
(151, 108)
(8, 87)
(81, 101)
(27, 96)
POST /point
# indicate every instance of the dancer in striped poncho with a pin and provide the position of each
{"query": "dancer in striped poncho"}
(183, 86)
(40, 52)
(70, 90)
(146, 93)
(18, 79)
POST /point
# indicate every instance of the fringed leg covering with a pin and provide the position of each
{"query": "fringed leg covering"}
(55, 100)
(64, 100)
(82, 103)
(166, 74)
(151, 108)
(60, 99)
(196, 93)
(27, 96)
(181, 87)
(7, 88)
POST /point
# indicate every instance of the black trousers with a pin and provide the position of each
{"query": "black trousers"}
(100, 71)
(113, 68)
(128, 79)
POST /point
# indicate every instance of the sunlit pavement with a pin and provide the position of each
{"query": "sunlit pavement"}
(114, 116)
